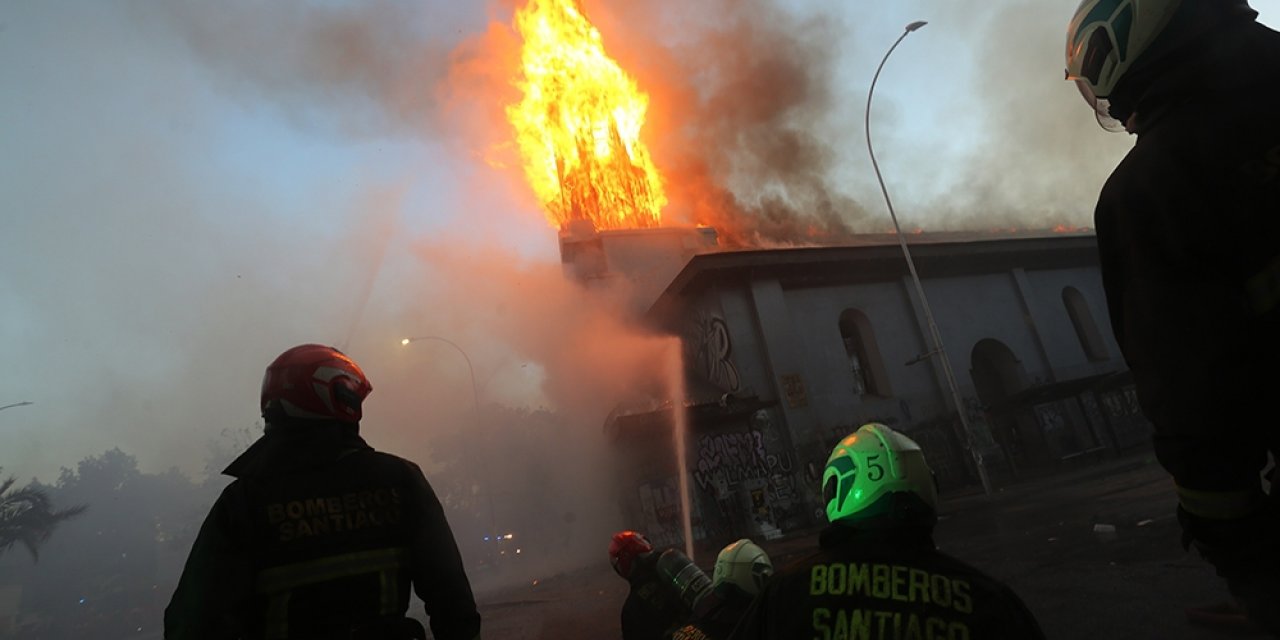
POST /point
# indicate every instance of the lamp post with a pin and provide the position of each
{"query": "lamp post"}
(475, 399)
(915, 276)
(16, 404)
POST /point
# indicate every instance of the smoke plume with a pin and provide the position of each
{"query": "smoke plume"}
(742, 107)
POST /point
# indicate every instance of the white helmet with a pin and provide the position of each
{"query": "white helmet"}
(1107, 37)
(1103, 40)
(744, 565)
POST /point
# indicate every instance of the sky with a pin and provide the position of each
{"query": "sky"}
(191, 188)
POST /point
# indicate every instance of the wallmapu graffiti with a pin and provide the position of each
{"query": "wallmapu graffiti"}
(726, 460)
(747, 480)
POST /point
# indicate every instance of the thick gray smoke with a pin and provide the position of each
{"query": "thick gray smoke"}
(165, 251)
(366, 68)
(742, 95)
(1039, 158)
(754, 156)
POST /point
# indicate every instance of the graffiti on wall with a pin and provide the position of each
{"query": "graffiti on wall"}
(1122, 402)
(662, 513)
(749, 477)
(726, 460)
(793, 389)
(1128, 424)
(979, 425)
(1057, 429)
(709, 350)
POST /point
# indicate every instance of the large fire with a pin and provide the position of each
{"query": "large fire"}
(578, 125)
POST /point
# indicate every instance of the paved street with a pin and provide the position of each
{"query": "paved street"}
(1037, 535)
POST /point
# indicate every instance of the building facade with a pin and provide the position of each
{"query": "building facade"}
(787, 351)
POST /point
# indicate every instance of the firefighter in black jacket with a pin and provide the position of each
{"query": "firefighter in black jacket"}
(320, 536)
(878, 574)
(742, 569)
(665, 586)
(1188, 231)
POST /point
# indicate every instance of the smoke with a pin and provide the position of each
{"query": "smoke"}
(528, 339)
(757, 112)
(738, 104)
(743, 102)
(755, 117)
(364, 69)
(1038, 158)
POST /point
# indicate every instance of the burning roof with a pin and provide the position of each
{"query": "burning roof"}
(578, 124)
(733, 126)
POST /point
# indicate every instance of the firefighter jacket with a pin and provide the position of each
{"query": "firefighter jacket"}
(885, 584)
(320, 536)
(1188, 229)
(653, 608)
(715, 616)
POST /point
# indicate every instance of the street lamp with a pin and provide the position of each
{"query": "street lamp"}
(475, 395)
(475, 399)
(915, 277)
(16, 404)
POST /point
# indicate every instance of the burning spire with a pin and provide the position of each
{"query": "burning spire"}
(578, 125)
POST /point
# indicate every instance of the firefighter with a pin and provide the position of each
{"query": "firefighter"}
(319, 536)
(741, 571)
(1188, 229)
(878, 574)
(665, 586)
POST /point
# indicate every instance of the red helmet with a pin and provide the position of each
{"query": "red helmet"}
(624, 548)
(314, 382)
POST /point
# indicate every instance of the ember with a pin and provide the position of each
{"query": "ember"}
(578, 124)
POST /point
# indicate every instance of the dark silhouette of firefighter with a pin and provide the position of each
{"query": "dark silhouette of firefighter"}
(320, 536)
(665, 586)
(878, 574)
(742, 569)
(1188, 229)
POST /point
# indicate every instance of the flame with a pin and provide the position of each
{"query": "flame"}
(578, 125)
(1067, 228)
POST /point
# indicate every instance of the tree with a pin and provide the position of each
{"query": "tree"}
(111, 570)
(27, 516)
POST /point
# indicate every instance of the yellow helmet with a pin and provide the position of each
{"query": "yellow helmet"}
(869, 464)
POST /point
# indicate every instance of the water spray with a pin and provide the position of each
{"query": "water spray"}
(680, 424)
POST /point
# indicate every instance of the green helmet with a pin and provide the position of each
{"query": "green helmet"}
(871, 463)
(742, 565)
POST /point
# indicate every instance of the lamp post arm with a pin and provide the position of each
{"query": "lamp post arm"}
(934, 334)
(475, 399)
(471, 370)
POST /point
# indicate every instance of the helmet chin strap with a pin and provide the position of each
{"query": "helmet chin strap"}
(1101, 108)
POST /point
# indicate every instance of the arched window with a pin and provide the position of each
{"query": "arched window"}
(869, 374)
(1086, 328)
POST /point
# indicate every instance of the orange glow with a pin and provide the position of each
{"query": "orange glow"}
(578, 124)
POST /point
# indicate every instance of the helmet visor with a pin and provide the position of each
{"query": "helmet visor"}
(829, 488)
(1101, 108)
